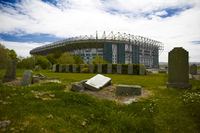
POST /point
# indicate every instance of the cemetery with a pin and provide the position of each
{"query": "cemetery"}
(102, 97)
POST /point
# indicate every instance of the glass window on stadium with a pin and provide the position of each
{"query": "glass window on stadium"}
(128, 54)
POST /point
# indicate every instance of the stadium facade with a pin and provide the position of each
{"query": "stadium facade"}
(114, 48)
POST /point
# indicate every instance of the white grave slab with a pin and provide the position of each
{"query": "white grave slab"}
(97, 82)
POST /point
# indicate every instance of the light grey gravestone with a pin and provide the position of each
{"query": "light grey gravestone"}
(81, 67)
(67, 68)
(178, 68)
(27, 78)
(109, 68)
(119, 68)
(60, 68)
(91, 68)
(97, 82)
(74, 68)
(128, 90)
(99, 68)
(54, 68)
(130, 69)
(10, 71)
(142, 69)
(193, 69)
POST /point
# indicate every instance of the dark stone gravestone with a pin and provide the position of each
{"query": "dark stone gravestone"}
(193, 69)
(27, 78)
(128, 90)
(119, 68)
(178, 68)
(10, 71)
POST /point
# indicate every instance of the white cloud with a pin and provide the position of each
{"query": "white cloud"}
(21, 48)
(77, 17)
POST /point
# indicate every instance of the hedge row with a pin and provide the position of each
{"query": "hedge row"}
(86, 68)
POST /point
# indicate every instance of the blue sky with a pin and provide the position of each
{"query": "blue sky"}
(26, 24)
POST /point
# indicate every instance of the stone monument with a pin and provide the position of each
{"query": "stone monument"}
(99, 68)
(193, 69)
(91, 68)
(142, 69)
(130, 69)
(10, 71)
(109, 68)
(54, 68)
(119, 68)
(74, 68)
(178, 68)
(67, 68)
(27, 78)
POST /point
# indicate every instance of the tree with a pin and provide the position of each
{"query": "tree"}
(66, 58)
(3, 56)
(51, 58)
(42, 61)
(98, 60)
(27, 63)
(78, 60)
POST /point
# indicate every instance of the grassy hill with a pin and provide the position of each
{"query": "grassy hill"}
(51, 107)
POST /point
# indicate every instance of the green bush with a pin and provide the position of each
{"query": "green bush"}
(124, 68)
(85, 70)
(114, 68)
(136, 69)
(27, 63)
(95, 68)
(104, 68)
(70, 68)
(42, 61)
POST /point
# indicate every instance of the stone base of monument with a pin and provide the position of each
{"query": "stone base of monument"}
(179, 85)
(128, 90)
(78, 86)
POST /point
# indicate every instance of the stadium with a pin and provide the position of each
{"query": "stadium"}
(119, 48)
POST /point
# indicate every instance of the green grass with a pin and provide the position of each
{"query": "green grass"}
(167, 110)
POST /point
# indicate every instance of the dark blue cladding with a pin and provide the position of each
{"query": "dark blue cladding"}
(107, 52)
(121, 53)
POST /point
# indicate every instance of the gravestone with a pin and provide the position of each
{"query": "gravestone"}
(10, 71)
(109, 68)
(74, 68)
(82, 67)
(193, 69)
(128, 90)
(67, 68)
(119, 68)
(142, 69)
(91, 68)
(63, 68)
(60, 68)
(54, 68)
(97, 82)
(130, 69)
(178, 68)
(27, 78)
(99, 68)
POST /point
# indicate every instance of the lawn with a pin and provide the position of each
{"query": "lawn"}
(167, 110)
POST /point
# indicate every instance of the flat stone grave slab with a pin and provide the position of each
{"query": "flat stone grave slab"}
(128, 90)
(97, 82)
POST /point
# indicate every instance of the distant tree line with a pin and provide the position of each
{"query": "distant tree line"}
(43, 62)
